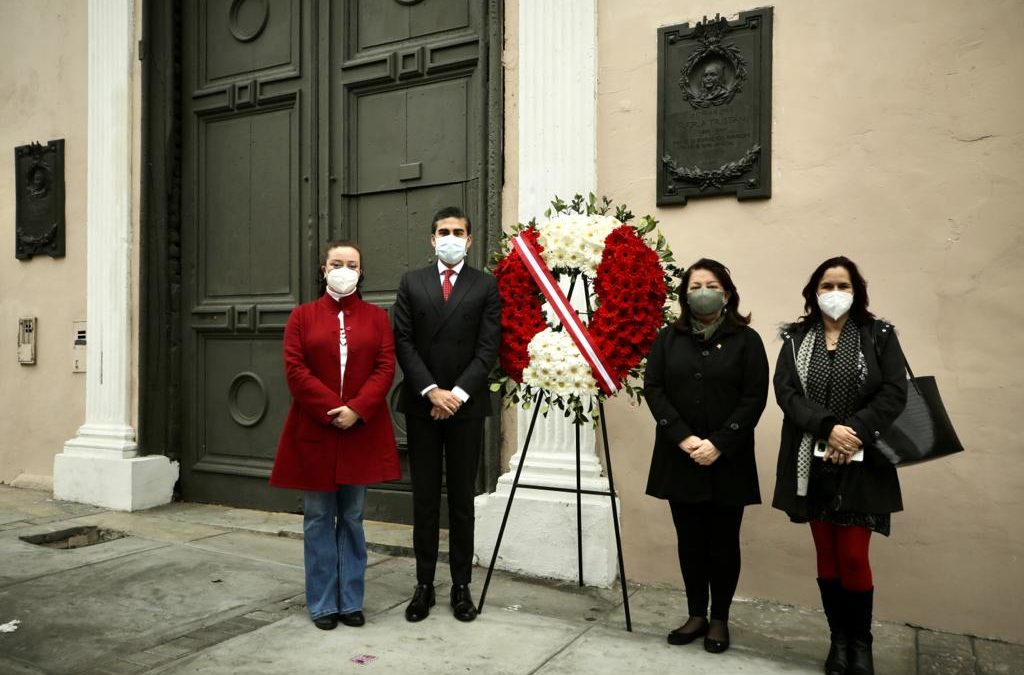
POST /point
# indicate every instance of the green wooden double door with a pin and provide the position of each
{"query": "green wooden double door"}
(304, 121)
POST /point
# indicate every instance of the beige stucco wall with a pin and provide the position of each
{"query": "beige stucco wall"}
(44, 87)
(898, 136)
(898, 140)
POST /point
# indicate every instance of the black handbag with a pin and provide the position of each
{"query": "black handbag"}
(923, 430)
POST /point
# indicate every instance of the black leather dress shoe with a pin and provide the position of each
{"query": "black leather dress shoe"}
(354, 619)
(329, 622)
(462, 603)
(422, 601)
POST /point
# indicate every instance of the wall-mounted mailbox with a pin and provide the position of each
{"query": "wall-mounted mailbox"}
(27, 341)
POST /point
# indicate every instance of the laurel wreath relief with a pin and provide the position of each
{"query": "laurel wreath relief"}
(712, 178)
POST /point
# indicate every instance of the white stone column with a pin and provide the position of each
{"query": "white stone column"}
(101, 464)
(557, 155)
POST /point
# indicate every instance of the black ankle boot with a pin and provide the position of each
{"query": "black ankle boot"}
(833, 602)
(860, 606)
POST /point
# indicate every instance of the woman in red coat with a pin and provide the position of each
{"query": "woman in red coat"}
(339, 356)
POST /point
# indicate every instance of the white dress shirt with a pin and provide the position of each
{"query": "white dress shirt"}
(342, 342)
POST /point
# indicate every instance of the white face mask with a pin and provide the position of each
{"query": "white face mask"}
(342, 280)
(835, 303)
(450, 249)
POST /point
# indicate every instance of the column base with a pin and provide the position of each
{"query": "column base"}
(122, 484)
(540, 538)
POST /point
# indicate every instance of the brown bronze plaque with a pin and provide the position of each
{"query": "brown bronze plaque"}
(39, 194)
(714, 108)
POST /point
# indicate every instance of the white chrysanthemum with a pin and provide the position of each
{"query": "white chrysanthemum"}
(557, 365)
(575, 241)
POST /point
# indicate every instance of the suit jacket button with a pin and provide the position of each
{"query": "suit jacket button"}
(734, 426)
(663, 422)
(878, 434)
(705, 353)
(698, 376)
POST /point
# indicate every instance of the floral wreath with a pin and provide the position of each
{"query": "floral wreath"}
(626, 268)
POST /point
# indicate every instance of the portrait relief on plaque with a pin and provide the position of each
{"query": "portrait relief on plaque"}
(714, 108)
(39, 200)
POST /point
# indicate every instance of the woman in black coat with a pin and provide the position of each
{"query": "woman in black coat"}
(706, 384)
(840, 381)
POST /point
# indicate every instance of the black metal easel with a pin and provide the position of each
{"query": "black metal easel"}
(578, 491)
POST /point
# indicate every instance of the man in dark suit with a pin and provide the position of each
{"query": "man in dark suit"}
(447, 332)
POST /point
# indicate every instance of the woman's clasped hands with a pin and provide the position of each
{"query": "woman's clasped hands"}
(700, 450)
(344, 417)
(842, 445)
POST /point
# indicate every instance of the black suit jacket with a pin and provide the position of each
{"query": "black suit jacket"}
(450, 344)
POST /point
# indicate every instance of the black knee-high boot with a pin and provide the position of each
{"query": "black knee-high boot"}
(833, 602)
(859, 607)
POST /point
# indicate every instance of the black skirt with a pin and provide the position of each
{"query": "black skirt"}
(825, 503)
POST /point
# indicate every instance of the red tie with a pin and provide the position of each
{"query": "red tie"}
(446, 285)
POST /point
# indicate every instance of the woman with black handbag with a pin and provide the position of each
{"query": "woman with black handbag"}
(839, 393)
(706, 385)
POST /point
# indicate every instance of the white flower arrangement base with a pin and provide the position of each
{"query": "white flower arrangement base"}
(540, 537)
(540, 522)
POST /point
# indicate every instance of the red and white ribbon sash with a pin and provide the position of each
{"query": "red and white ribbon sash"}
(564, 311)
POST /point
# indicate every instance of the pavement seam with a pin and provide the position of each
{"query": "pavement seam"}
(5, 587)
(917, 651)
(228, 628)
(28, 667)
(566, 646)
(189, 544)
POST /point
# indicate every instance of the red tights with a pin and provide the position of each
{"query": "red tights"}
(843, 554)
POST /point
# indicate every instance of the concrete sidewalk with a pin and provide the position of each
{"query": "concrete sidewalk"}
(195, 588)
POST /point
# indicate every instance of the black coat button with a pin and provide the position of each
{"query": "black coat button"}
(698, 376)
(705, 353)
(663, 422)
(734, 426)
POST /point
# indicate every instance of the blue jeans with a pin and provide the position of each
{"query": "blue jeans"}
(335, 550)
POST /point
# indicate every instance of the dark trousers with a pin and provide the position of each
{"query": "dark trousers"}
(455, 445)
(708, 536)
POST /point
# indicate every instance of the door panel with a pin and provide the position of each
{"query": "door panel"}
(438, 129)
(247, 132)
(243, 380)
(408, 95)
(250, 215)
(303, 121)
(242, 39)
(379, 22)
(411, 137)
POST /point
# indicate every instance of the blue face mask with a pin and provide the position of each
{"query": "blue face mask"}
(450, 249)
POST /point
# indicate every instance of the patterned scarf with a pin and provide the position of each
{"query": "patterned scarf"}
(834, 384)
(703, 332)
